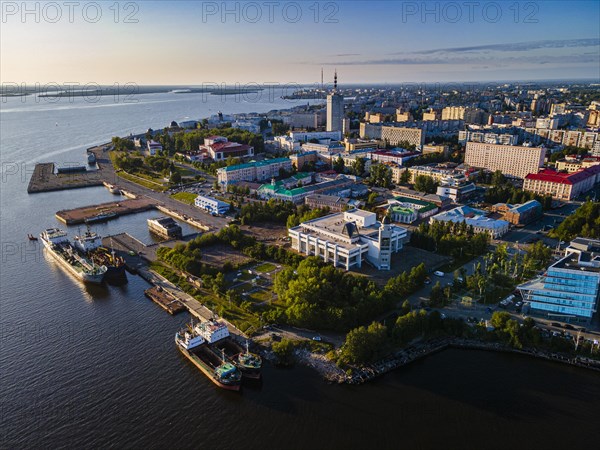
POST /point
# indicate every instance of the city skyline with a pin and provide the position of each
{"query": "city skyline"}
(191, 43)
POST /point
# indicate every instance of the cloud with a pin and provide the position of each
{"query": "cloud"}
(478, 59)
(511, 47)
(345, 54)
(491, 55)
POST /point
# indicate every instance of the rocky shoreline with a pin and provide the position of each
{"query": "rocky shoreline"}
(359, 375)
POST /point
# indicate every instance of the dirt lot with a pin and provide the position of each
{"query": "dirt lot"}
(267, 232)
(402, 261)
(217, 255)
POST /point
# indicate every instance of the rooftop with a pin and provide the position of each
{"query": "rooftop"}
(553, 176)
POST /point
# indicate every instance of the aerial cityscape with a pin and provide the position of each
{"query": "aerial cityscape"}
(300, 224)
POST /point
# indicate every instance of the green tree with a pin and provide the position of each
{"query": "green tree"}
(381, 175)
(339, 165)
(425, 183)
(405, 177)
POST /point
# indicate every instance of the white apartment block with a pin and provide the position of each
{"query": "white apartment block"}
(512, 160)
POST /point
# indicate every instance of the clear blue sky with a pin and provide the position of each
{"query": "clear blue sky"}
(368, 42)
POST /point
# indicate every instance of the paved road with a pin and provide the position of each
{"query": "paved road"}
(108, 174)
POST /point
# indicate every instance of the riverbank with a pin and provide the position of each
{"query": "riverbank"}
(359, 375)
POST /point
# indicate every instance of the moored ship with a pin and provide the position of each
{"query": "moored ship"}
(59, 246)
(217, 334)
(222, 373)
(89, 245)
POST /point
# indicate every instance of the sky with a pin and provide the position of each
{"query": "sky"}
(195, 43)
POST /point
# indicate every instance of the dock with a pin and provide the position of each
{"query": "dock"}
(45, 179)
(165, 300)
(110, 210)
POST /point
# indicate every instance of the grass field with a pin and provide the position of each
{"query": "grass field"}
(185, 197)
(265, 268)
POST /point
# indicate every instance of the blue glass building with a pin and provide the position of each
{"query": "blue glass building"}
(569, 289)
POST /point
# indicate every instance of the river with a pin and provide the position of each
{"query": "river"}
(97, 366)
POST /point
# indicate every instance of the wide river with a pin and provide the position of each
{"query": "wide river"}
(85, 367)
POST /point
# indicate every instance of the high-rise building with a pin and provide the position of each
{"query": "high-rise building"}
(335, 109)
(569, 289)
(513, 160)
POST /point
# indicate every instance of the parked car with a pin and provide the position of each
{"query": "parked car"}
(437, 273)
(316, 338)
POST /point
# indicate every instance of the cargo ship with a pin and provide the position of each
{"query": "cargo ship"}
(222, 373)
(217, 335)
(90, 245)
(59, 246)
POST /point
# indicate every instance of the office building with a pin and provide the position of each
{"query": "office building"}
(562, 185)
(519, 214)
(335, 109)
(219, 148)
(568, 290)
(348, 239)
(474, 218)
(393, 135)
(253, 171)
(211, 205)
(333, 202)
(512, 160)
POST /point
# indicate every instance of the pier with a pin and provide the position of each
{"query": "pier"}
(45, 179)
(165, 300)
(105, 211)
(124, 243)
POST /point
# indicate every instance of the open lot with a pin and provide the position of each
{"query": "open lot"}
(404, 260)
(217, 255)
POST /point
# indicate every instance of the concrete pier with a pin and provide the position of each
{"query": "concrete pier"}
(111, 210)
(44, 179)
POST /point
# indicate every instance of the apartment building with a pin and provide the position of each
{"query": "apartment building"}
(512, 160)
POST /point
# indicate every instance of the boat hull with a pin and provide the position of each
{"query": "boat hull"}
(233, 350)
(86, 278)
(206, 370)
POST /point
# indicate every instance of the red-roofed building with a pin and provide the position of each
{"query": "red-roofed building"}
(219, 148)
(562, 185)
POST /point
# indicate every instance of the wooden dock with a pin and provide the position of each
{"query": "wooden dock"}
(163, 299)
(111, 210)
(44, 179)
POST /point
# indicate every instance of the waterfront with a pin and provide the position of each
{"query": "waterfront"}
(97, 366)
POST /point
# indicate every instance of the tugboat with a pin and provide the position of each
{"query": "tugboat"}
(222, 373)
(217, 335)
(90, 245)
(59, 246)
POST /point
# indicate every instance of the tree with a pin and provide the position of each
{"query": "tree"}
(425, 183)
(405, 177)
(498, 178)
(358, 166)
(381, 175)
(436, 297)
(364, 344)
(339, 165)
(175, 177)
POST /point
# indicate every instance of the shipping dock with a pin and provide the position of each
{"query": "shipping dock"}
(46, 178)
(105, 211)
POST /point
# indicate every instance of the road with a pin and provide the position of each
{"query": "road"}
(109, 175)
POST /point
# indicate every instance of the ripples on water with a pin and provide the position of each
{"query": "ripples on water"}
(96, 366)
